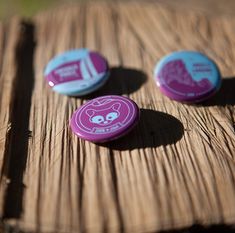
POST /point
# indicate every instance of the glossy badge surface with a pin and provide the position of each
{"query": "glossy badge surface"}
(105, 118)
(187, 76)
(77, 72)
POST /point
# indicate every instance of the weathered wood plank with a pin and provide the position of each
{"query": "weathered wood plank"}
(175, 169)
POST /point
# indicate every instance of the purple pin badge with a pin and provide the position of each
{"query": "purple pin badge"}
(105, 118)
(77, 72)
(187, 76)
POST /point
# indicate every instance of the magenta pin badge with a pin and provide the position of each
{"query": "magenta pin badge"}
(105, 118)
(187, 76)
(77, 72)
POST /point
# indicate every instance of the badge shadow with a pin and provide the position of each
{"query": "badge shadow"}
(122, 80)
(225, 96)
(154, 129)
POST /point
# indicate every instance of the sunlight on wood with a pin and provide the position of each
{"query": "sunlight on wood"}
(175, 169)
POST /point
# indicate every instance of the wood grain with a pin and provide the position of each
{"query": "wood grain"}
(174, 170)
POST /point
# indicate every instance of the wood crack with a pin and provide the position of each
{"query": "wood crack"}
(16, 145)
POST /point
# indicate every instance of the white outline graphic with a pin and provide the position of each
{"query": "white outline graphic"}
(125, 122)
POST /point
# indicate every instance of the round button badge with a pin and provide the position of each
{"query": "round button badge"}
(105, 118)
(77, 72)
(187, 76)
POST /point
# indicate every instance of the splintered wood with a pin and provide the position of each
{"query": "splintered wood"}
(176, 168)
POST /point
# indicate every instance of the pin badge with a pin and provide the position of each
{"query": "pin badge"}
(105, 118)
(77, 72)
(187, 76)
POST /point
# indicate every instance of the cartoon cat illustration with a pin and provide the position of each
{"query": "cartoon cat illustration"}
(104, 117)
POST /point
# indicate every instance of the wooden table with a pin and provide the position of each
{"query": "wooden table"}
(177, 168)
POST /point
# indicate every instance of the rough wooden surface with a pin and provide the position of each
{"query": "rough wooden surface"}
(177, 168)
